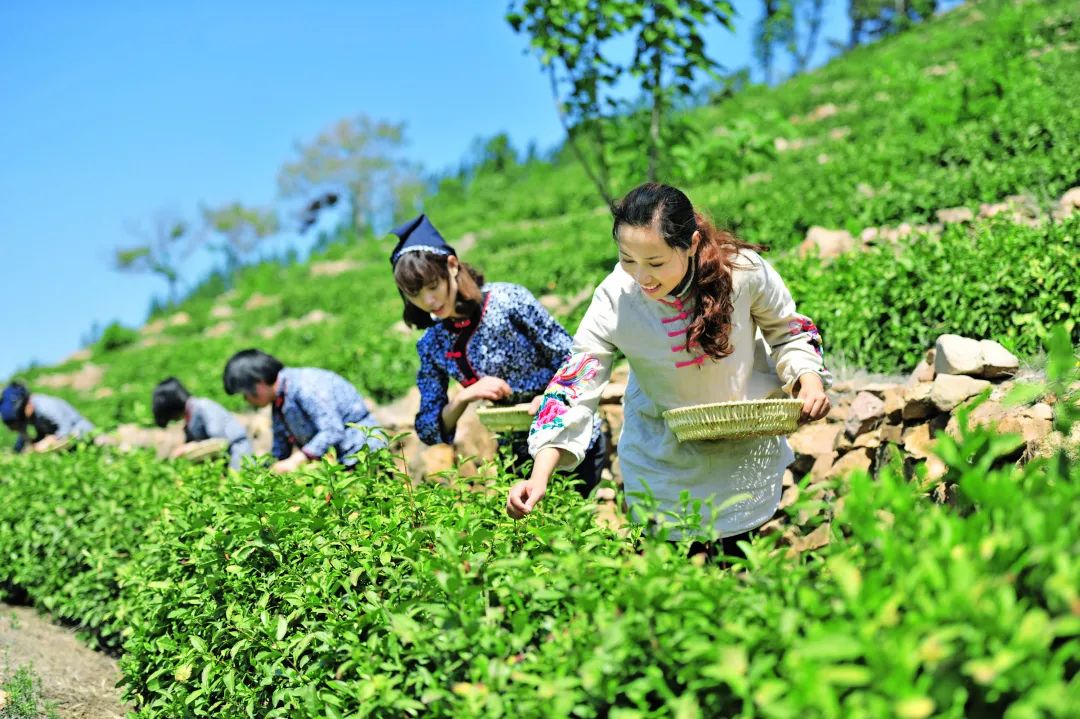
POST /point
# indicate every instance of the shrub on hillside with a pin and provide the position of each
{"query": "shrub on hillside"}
(340, 594)
(116, 336)
(882, 308)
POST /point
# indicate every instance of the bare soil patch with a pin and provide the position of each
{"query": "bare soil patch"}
(80, 682)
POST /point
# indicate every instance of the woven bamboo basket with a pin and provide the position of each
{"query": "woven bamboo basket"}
(505, 419)
(204, 450)
(734, 420)
(58, 445)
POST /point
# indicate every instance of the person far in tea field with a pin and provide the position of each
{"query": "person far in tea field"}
(701, 317)
(203, 419)
(495, 339)
(50, 419)
(313, 410)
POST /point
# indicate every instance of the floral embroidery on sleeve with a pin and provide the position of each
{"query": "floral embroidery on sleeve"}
(550, 414)
(577, 369)
(563, 390)
(806, 325)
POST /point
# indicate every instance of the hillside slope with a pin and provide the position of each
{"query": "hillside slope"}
(972, 107)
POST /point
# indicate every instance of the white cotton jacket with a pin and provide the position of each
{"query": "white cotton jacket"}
(772, 346)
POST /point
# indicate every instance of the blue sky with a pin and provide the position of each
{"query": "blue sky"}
(113, 112)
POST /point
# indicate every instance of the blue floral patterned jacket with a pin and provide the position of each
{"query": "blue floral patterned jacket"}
(312, 411)
(515, 339)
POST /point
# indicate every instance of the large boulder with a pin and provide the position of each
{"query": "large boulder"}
(812, 441)
(86, 378)
(827, 244)
(987, 413)
(997, 362)
(1032, 429)
(866, 413)
(1033, 423)
(917, 401)
(958, 355)
(891, 432)
(853, 460)
(947, 391)
(1068, 203)
(222, 312)
(951, 215)
(918, 441)
(823, 465)
(924, 371)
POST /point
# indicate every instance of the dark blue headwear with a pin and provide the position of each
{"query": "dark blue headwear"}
(11, 401)
(419, 235)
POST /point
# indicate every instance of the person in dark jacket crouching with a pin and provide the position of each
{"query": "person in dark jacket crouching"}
(203, 419)
(50, 418)
(313, 409)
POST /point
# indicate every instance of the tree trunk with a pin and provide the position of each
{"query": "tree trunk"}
(767, 40)
(601, 185)
(856, 24)
(803, 58)
(657, 112)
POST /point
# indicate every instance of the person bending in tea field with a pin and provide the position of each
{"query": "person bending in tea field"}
(495, 339)
(313, 410)
(701, 318)
(51, 419)
(203, 419)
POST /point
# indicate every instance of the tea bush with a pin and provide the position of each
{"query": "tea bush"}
(70, 523)
(355, 594)
(882, 309)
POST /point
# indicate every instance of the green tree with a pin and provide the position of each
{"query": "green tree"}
(359, 158)
(159, 251)
(493, 154)
(872, 19)
(574, 41)
(241, 229)
(782, 22)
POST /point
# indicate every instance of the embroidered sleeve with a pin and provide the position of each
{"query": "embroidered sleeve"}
(432, 381)
(549, 338)
(318, 403)
(567, 412)
(794, 338)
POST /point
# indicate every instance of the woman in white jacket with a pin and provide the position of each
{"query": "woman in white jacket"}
(700, 317)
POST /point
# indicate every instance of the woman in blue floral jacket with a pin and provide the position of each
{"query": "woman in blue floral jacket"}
(495, 339)
(314, 410)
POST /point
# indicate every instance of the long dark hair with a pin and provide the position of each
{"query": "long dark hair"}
(709, 299)
(417, 270)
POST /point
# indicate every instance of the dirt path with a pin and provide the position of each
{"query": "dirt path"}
(78, 680)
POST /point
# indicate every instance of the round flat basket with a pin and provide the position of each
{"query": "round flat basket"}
(505, 419)
(58, 445)
(204, 450)
(734, 420)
